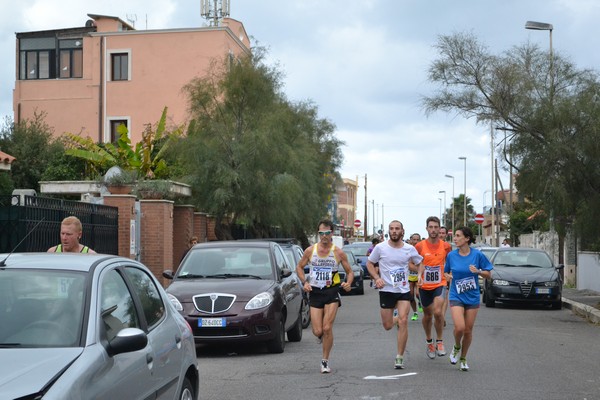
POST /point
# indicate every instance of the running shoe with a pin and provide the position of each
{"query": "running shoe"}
(320, 339)
(399, 364)
(440, 350)
(415, 317)
(430, 349)
(325, 367)
(463, 364)
(454, 355)
(420, 308)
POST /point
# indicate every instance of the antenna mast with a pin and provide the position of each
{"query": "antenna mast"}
(214, 10)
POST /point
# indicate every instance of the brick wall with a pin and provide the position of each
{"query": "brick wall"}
(126, 206)
(157, 236)
(183, 230)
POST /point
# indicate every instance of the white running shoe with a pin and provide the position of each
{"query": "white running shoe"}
(430, 350)
(399, 364)
(440, 349)
(454, 355)
(463, 365)
(325, 367)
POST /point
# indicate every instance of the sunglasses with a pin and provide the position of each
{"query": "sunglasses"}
(323, 233)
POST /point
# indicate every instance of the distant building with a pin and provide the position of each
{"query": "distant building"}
(88, 80)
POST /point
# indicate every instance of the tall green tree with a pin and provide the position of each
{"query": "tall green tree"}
(253, 156)
(549, 109)
(38, 154)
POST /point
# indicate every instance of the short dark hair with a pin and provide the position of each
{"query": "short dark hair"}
(418, 234)
(375, 240)
(326, 222)
(443, 227)
(434, 219)
(468, 233)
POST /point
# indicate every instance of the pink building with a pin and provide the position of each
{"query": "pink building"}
(91, 79)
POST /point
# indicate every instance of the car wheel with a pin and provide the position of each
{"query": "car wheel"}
(557, 305)
(305, 313)
(187, 391)
(295, 334)
(277, 344)
(489, 301)
(361, 288)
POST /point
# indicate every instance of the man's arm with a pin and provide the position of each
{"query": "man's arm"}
(300, 267)
(349, 273)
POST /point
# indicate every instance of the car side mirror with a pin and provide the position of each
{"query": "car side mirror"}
(560, 266)
(127, 341)
(285, 272)
(167, 274)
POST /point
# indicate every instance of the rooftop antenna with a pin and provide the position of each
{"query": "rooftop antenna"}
(131, 18)
(214, 10)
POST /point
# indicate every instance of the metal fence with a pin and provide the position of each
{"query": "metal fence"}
(19, 215)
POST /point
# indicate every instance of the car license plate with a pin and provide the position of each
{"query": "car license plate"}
(542, 290)
(211, 322)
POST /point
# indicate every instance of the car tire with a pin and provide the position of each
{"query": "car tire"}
(277, 344)
(488, 300)
(305, 313)
(187, 390)
(295, 334)
(557, 305)
(361, 288)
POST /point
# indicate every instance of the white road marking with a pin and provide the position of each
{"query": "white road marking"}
(389, 376)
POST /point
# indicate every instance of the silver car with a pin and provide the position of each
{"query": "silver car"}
(83, 326)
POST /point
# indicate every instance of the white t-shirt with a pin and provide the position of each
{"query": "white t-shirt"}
(393, 265)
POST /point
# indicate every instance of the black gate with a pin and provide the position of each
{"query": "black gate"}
(19, 215)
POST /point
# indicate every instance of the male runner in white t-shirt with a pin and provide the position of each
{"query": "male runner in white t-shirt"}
(393, 257)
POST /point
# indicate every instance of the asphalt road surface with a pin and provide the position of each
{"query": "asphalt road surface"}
(517, 353)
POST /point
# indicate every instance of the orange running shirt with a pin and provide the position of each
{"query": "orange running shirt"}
(434, 258)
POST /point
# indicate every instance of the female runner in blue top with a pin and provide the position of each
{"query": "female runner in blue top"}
(464, 266)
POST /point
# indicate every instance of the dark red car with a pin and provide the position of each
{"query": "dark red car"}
(238, 291)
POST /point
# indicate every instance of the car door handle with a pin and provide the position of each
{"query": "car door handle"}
(149, 358)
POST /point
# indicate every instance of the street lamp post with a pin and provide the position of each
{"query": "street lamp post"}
(450, 176)
(543, 26)
(445, 216)
(465, 195)
(440, 199)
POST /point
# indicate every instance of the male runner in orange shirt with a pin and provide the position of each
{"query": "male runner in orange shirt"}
(432, 285)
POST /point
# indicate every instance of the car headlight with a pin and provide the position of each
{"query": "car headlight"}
(175, 302)
(500, 282)
(261, 300)
(551, 284)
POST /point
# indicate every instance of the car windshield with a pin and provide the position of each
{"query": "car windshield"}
(532, 259)
(41, 308)
(358, 250)
(227, 262)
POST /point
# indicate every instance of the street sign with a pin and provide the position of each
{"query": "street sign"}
(479, 219)
(357, 223)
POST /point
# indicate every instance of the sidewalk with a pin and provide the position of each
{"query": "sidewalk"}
(583, 302)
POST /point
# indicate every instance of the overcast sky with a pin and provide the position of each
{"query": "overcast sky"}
(364, 64)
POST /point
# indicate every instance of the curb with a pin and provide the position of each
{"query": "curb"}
(588, 312)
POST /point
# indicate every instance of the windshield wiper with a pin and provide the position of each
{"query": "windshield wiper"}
(531, 265)
(505, 265)
(191, 276)
(9, 345)
(225, 276)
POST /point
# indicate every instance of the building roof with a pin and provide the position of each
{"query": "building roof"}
(5, 160)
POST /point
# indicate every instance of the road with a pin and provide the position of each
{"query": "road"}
(516, 353)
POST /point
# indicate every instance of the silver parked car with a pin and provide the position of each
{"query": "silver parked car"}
(83, 326)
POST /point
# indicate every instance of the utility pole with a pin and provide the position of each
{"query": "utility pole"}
(366, 205)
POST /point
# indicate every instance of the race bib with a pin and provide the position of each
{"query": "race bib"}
(398, 277)
(321, 276)
(432, 274)
(465, 285)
